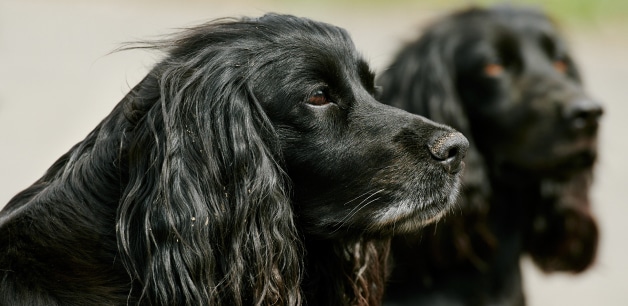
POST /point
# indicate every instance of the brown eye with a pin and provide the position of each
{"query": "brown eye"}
(493, 70)
(560, 66)
(318, 98)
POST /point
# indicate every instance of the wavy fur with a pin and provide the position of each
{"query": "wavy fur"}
(225, 174)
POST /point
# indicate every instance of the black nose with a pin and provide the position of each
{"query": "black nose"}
(583, 114)
(448, 149)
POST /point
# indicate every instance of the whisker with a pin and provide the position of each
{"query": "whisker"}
(357, 208)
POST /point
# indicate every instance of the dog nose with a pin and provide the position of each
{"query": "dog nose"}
(583, 114)
(449, 148)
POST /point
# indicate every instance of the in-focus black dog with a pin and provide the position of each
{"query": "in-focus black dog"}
(505, 78)
(251, 166)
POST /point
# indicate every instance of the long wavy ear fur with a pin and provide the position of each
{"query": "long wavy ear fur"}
(205, 217)
(563, 234)
(424, 72)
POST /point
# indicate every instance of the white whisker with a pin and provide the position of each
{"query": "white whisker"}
(357, 208)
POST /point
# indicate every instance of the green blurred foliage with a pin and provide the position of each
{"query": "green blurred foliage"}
(570, 11)
(577, 10)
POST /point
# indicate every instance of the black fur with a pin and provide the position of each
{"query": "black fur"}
(504, 77)
(251, 166)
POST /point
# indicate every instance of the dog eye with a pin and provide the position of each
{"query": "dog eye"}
(560, 66)
(318, 98)
(493, 70)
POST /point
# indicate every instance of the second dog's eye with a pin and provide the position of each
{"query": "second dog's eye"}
(318, 98)
(493, 70)
(560, 66)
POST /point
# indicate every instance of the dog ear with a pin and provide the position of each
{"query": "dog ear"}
(563, 234)
(424, 72)
(205, 217)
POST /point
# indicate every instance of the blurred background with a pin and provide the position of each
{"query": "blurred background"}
(58, 79)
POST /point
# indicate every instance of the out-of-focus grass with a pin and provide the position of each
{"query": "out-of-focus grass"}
(570, 11)
(577, 11)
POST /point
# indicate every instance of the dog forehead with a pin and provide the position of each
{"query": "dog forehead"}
(296, 40)
(528, 22)
(299, 29)
(517, 28)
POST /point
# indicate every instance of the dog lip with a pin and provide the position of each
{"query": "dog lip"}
(458, 169)
(581, 146)
(582, 159)
(565, 164)
(415, 217)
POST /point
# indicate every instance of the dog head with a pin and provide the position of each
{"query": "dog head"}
(510, 73)
(520, 84)
(505, 78)
(354, 164)
(249, 125)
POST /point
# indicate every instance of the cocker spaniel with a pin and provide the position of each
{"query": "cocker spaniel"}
(505, 78)
(251, 166)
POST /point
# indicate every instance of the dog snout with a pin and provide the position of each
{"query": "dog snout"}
(449, 149)
(583, 114)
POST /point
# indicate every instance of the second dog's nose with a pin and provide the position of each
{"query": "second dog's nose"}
(448, 149)
(583, 114)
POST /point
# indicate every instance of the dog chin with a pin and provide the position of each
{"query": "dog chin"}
(411, 215)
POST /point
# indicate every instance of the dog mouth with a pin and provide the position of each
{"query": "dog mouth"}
(424, 206)
(581, 153)
(406, 217)
(560, 158)
(398, 204)
(576, 161)
(560, 165)
(457, 170)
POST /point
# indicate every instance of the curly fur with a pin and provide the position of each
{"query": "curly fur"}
(504, 77)
(251, 166)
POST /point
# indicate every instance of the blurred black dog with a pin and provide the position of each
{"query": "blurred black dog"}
(252, 166)
(503, 77)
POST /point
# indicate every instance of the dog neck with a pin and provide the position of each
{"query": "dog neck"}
(345, 272)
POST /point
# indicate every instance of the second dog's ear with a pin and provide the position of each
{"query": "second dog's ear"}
(563, 234)
(421, 81)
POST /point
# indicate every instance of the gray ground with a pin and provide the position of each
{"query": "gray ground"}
(57, 81)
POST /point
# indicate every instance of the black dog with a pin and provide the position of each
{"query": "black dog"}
(503, 77)
(252, 166)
